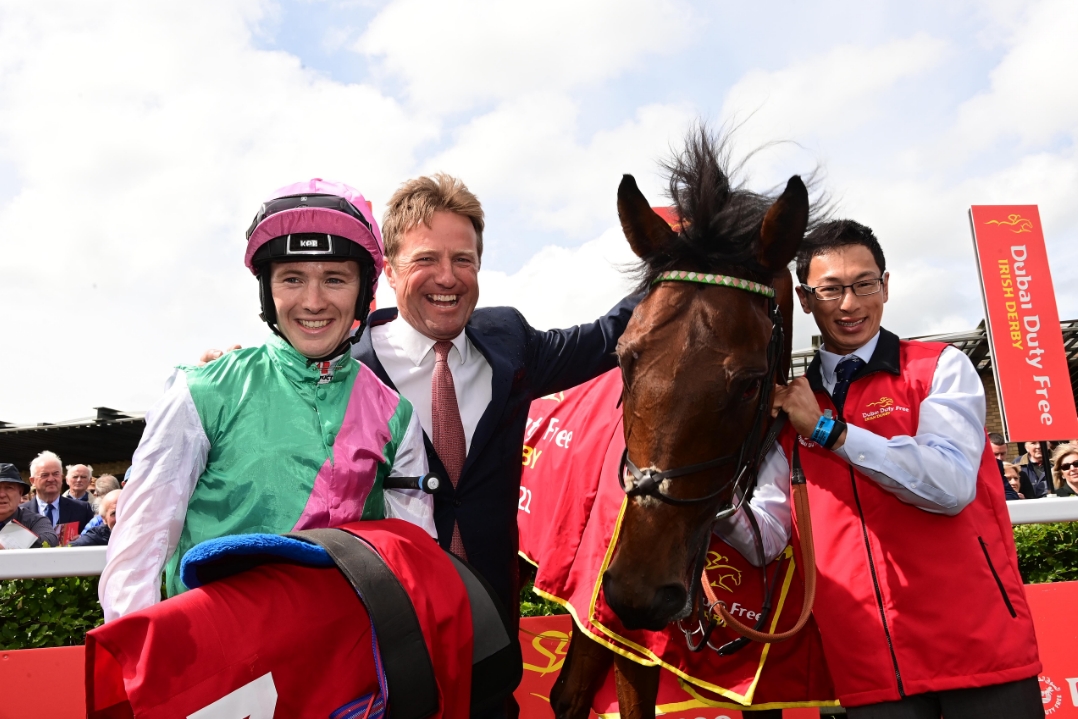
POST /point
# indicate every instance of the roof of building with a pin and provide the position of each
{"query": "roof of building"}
(110, 436)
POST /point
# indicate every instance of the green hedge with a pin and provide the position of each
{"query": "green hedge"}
(1047, 552)
(47, 612)
(58, 612)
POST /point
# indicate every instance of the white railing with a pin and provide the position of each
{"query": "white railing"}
(90, 561)
(57, 562)
(1043, 510)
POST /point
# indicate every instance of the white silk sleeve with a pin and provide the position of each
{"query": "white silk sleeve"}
(411, 505)
(153, 505)
(770, 504)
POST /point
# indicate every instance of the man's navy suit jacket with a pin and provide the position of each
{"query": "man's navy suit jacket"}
(71, 510)
(526, 363)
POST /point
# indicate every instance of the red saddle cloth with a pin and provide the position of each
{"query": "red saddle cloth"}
(280, 640)
(569, 519)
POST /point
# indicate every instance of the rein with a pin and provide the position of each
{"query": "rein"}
(647, 482)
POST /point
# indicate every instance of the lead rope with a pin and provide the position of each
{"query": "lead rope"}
(799, 490)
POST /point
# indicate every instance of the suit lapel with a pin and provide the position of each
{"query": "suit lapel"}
(501, 382)
(364, 352)
(364, 349)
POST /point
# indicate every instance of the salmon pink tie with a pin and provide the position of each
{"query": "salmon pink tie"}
(448, 430)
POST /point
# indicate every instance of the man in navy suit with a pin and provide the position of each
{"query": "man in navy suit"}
(470, 374)
(46, 474)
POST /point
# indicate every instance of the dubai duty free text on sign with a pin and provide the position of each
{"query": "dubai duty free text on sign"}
(1032, 378)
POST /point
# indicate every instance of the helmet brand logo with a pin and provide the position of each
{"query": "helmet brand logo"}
(309, 243)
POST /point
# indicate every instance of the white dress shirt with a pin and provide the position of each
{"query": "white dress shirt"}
(408, 359)
(55, 509)
(934, 470)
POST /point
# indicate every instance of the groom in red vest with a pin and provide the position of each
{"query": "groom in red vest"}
(920, 604)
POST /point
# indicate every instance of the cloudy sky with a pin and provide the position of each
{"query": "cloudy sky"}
(137, 140)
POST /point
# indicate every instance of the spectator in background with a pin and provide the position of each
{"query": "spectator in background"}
(46, 475)
(1014, 481)
(999, 446)
(1065, 464)
(1032, 472)
(12, 487)
(99, 536)
(106, 484)
(78, 482)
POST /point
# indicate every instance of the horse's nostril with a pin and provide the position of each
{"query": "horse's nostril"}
(670, 599)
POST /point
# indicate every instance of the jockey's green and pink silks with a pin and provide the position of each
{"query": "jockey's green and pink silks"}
(335, 429)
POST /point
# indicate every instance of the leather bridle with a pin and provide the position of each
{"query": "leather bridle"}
(648, 482)
(749, 457)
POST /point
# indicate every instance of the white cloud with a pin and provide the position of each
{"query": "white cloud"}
(454, 53)
(526, 153)
(1031, 97)
(829, 94)
(143, 137)
(560, 287)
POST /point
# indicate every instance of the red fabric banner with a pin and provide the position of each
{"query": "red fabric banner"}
(28, 673)
(1030, 364)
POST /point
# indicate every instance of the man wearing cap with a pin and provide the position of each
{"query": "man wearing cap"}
(294, 434)
(12, 488)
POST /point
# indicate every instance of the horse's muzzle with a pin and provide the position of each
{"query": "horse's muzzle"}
(666, 604)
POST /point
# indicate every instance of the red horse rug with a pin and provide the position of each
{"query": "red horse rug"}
(569, 517)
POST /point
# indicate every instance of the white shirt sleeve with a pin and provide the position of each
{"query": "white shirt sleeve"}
(936, 469)
(770, 504)
(153, 505)
(411, 505)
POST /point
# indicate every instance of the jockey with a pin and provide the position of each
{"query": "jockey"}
(294, 434)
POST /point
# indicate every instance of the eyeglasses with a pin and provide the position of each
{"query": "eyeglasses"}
(1068, 466)
(863, 288)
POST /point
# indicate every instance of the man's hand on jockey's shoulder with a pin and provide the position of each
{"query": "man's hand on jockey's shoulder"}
(799, 402)
(210, 355)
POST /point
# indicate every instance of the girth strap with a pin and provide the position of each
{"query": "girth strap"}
(413, 690)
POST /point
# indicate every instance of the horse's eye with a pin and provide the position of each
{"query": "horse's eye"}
(752, 389)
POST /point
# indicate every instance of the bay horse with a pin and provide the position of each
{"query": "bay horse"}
(699, 362)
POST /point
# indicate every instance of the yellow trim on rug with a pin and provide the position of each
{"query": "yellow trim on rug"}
(705, 702)
(602, 641)
(743, 700)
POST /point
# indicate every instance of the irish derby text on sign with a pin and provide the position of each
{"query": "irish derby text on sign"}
(1028, 358)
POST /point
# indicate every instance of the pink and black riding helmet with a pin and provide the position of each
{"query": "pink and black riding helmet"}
(315, 221)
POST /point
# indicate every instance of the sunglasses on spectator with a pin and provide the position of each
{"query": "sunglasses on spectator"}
(1068, 466)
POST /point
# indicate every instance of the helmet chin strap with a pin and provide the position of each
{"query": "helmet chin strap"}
(269, 316)
(343, 347)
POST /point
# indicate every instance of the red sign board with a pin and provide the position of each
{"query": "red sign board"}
(1032, 379)
(29, 674)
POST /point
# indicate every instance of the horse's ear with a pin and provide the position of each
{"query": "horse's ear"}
(784, 226)
(646, 232)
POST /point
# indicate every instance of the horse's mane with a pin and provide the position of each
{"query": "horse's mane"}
(719, 220)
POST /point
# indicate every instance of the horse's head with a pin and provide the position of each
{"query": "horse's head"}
(696, 367)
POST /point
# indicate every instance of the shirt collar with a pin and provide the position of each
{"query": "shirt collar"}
(415, 345)
(42, 504)
(829, 361)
